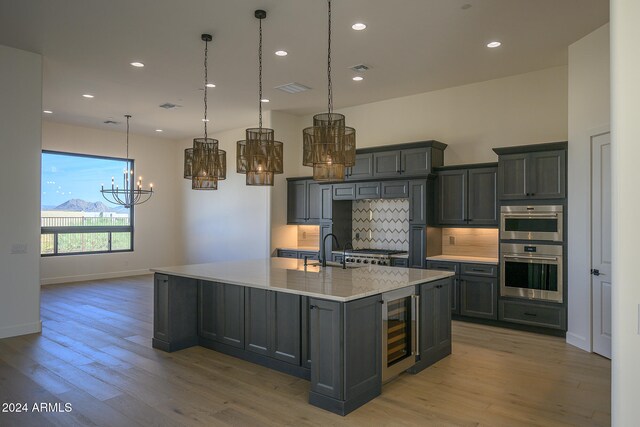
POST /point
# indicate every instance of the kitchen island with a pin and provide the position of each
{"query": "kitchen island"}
(324, 324)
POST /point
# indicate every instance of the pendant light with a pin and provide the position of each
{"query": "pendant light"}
(329, 146)
(204, 163)
(131, 193)
(259, 156)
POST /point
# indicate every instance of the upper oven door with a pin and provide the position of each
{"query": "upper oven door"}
(531, 223)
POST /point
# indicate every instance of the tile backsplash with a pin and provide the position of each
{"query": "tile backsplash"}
(481, 242)
(380, 224)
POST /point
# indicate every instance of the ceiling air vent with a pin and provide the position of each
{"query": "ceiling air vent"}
(169, 106)
(360, 68)
(293, 88)
(111, 122)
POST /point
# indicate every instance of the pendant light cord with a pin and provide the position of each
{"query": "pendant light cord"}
(206, 81)
(330, 92)
(260, 75)
(128, 116)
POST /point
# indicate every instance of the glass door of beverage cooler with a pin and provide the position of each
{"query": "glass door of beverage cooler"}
(399, 332)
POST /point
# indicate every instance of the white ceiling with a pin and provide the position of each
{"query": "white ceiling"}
(412, 46)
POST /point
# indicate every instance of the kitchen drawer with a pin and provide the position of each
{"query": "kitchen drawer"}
(443, 265)
(487, 270)
(287, 254)
(548, 316)
(399, 262)
(309, 255)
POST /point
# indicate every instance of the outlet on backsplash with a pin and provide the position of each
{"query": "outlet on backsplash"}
(452, 240)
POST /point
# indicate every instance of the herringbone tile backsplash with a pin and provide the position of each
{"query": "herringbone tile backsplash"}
(381, 224)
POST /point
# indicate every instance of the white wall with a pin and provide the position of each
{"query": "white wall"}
(589, 113)
(20, 115)
(231, 223)
(156, 222)
(523, 109)
(625, 109)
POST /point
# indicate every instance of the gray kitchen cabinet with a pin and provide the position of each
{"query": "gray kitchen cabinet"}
(367, 190)
(308, 202)
(175, 315)
(468, 196)
(479, 297)
(435, 331)
(532, 172)
(221, 313)
(386, 164)
(308, 255)
(256, 327)
(284, 327)
(547, 315)
(330, 244)
(394, 189)
(362, 169)
(418, 202)
(455, 284)
(417, 245)
(415, 161)
(399, 262)
(346, 352)
(344, 191)
(283, 253)
(305, 327)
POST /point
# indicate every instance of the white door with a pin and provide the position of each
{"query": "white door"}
(601, 242)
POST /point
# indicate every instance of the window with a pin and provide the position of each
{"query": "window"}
(75, 218)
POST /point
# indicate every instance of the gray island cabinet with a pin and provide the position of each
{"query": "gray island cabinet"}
(321, 324)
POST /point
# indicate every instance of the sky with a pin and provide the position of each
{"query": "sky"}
(66, 177)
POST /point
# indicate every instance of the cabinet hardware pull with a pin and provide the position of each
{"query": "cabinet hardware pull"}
(530, 314)
(478, 269)
(311, 307)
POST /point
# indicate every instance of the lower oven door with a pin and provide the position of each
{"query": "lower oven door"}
(399, 331)
(532, 276)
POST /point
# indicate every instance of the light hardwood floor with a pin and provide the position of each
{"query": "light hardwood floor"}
(95, 353)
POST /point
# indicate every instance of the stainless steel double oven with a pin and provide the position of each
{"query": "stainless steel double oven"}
(532, 269)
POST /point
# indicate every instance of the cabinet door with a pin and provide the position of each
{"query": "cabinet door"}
(547, 175)
(363, 169)
(305, 332)
(326, 341)
(455, 295)
(428, 331)
(442, 315)
(161, 307)
(287, 254)
(482, 199)
(326, 196)
(416, 161)
(512, 176)
(386, 164)
(478, 297)
(452, 196)
(284, 327)
(314, 202)
(256, 328)
(395, 189)
(367, 190)
(230, 314)
(417, 246)
(296, 202)
(207, 310)
(344, 191)
(418, 202)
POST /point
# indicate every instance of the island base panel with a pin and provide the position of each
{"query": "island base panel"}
(342, 407)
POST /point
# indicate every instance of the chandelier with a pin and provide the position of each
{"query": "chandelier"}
(259, 156)
(204, 163)
(131, 193)
(329, 146)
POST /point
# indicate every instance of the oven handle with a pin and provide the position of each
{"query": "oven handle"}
(415, 342)
(542, 258)
(530, 215)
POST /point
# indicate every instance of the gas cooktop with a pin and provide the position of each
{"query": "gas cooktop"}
(375, 252)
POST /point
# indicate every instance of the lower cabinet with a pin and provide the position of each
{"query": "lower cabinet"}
(221, 313)
(417, 245)
(435, 333)
(174, 313)
(399, 262)
(479, 297)
(547, 315)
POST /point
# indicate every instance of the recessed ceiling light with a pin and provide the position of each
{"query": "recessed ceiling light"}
(494, 44)
(359, 26)
(86, 95)
(137, 64)
(358, 78)
(158, 130)
(282, 53)
(210, 85)
(264, 100)
(47, 112)
(205, 120)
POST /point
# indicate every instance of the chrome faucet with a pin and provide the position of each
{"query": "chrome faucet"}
(323, 256)
(344, 254)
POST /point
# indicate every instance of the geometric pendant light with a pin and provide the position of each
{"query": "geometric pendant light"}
(259, 156)
(329, 146)
(204, 163)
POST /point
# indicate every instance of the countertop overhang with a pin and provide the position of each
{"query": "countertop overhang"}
(291, 276)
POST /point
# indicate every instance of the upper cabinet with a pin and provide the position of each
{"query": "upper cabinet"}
(467, 196)
(308, 202)
(363, 169)
(532, 171)
(410, 160)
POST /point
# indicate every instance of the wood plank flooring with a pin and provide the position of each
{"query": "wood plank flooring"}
(95, 353)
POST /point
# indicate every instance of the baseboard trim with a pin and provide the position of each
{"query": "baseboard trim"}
(23, 329)
(97, 276)
(578, 341)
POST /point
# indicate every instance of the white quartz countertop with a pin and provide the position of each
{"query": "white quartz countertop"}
(460, 258)
(290, 276)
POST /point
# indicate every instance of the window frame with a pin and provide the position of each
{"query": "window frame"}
(56, 231)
